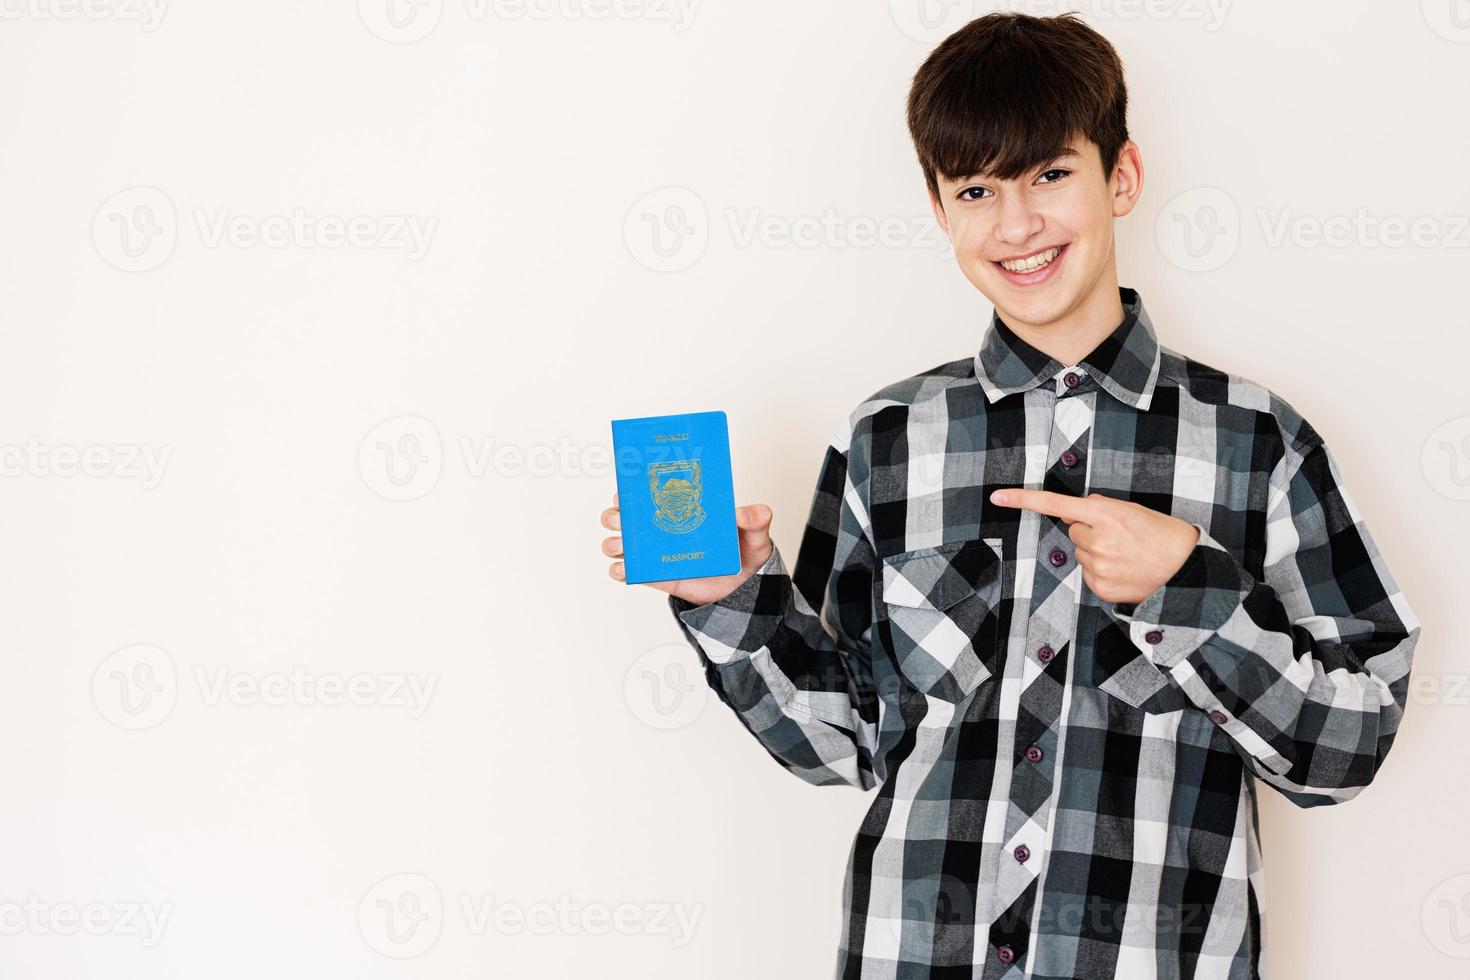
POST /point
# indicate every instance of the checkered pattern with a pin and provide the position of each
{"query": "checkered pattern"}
(1066, 786)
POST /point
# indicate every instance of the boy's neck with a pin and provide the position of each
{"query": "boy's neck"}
(1076, 334)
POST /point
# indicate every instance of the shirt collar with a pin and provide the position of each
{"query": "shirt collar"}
(1125, 363)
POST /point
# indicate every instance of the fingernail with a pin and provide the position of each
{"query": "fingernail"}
(999, 497)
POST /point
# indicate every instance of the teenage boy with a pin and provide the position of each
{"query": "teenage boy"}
(1067, 600)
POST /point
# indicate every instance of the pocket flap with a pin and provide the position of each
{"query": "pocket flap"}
(1123, 671)
(939, 577)
(1135, 682)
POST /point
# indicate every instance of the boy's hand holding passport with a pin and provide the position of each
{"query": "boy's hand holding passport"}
(675, 506)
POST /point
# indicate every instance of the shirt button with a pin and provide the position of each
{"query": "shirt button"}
(1005, 954)
(1219, 717)
(1069, 458)
(1072, 379)
(1045, 654)
(1033, 754)
(1154, 636)
(1058, 557)
(1022, 852)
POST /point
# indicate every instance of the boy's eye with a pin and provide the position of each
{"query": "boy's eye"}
(978, 193)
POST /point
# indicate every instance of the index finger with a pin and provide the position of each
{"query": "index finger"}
(1065, 506)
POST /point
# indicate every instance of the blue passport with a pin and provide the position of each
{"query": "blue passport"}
(676, 497)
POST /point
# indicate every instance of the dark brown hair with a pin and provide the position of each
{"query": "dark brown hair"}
(1008, 91)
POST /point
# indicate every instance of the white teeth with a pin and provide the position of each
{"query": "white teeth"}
(1034, 262)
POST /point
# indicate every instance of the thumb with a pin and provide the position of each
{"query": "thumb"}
(754, 521)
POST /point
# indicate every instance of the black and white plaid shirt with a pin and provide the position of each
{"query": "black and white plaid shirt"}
(1067, 786)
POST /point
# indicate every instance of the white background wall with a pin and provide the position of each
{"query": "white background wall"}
(170, 630)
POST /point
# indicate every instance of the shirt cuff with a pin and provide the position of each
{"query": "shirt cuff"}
(745, 619)
(1181, 615)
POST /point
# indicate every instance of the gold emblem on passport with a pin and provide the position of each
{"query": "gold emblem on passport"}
(677, 491)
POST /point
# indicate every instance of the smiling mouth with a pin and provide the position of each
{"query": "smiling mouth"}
(1032, 263)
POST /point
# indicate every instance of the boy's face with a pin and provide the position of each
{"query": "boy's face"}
(1065, 204)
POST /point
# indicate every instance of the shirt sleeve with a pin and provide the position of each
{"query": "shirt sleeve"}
(1307, 668)
(790, 654)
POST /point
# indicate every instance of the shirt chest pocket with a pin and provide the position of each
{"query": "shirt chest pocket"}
(938, 612)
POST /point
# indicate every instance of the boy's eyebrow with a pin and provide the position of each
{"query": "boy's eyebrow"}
(1065, 154)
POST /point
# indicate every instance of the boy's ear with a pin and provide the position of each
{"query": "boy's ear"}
(1129, 176)
(939, 214)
